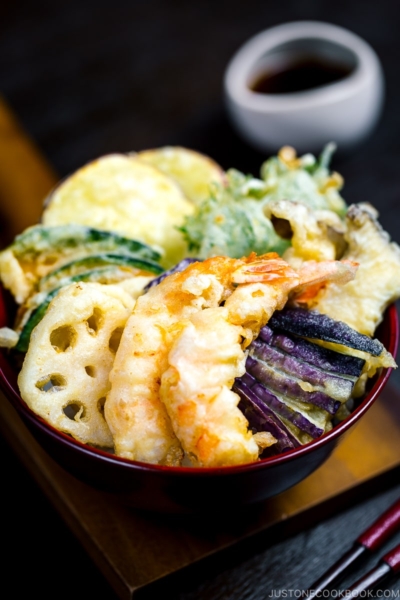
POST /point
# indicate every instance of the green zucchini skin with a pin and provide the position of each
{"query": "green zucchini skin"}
(35, 317)
(106, 275)
(94, 263)
(64, 239)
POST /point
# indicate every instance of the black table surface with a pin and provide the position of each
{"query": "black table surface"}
(90, 78)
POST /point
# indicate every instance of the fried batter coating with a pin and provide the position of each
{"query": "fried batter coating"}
(315, 234)
(64, 378)
(209, 353)
(362, 302)
(137, 417)
(196, 390)
(180, 352)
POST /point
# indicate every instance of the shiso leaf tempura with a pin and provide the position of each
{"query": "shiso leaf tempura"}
(232, 221)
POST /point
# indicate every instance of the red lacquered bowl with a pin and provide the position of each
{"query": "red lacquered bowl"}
(182, 489)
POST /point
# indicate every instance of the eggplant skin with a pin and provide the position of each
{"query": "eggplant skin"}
(331, 384)
(280, 383)
(300, 424)
(262, 418)
(314, 354)
(180, 266)
(315, 325)
(295, 382)
(282, 410)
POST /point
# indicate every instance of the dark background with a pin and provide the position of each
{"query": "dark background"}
(89, 78)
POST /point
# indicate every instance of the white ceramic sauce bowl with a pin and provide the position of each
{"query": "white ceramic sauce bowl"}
(344, 111)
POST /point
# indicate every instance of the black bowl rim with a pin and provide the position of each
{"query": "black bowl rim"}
(391, 321)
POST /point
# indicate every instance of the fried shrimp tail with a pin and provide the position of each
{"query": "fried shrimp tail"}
(314, 276)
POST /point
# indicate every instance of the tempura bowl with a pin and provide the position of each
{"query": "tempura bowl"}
(187, 489)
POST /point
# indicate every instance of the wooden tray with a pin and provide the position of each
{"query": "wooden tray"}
(134, 549)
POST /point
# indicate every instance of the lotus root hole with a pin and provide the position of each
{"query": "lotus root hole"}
(74, 411)
(51, 383)
(100, 405)
(95, 321)
(115, 339)
(91, 371)
(63, 338)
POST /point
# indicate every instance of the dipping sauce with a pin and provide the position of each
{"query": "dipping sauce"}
(300, 74)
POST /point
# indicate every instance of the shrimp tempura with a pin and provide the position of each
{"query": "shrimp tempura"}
(181, 350)
(138, 419)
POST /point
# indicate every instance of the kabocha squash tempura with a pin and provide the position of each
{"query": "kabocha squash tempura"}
(229, 355)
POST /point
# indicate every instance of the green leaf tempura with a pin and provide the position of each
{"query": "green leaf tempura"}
(232, 222)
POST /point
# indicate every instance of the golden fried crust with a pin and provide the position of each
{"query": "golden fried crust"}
(362, 302)
(196, 389)
(195, 173)
(128, 196)
(142, 427)
(64, 377)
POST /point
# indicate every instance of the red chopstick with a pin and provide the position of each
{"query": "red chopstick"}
(369, 541)
(388, 565)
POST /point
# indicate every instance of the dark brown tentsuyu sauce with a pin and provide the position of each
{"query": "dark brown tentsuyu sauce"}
(300, 74)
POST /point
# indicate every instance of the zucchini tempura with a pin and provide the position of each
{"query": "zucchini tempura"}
(64, 378)
(40, 250)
